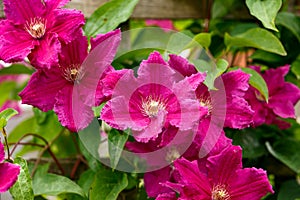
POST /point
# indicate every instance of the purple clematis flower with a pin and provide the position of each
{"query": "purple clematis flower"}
(73, 87)
(229, 97)
(36, 29)
(154, 181)
(153, 101)
(220, 177)
(283, 96)
(8, 172)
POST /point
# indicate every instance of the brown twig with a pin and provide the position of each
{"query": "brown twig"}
(6, 144)
(47, 148)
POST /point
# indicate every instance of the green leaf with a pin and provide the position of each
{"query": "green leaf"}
(212, 70)
(86, 179)
(204, 39)
(6, 91)
(5, 115)
(256, 81)
(261, 55)
(249, 140)
(109, 16)
(116, 142)
(22, 189)
(52, 184)
(287, 151)
(289, 190)
(258, 38)
(265, 11)
(290, 21)
(89, 144)
(16, 69)
(221, 7)
(108, 184)
(295, 68)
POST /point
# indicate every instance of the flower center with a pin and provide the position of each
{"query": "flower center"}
(206, 102)
(151, 106)
(73, 73)
(36, 27)
(220, 193)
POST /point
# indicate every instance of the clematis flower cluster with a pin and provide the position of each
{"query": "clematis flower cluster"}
(8, 172)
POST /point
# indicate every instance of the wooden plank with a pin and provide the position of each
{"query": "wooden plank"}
(170, 9)
(153, 9)
(147, 9)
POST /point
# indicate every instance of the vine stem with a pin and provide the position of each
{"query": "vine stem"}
(45, 147)
(6, 144)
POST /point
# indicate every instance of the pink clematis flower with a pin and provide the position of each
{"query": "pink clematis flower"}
(73, 87)
(283, 96)
(221, 177)
(8, 172)
(227, 99)
(155, 180)
(36, 29)
(153, 101)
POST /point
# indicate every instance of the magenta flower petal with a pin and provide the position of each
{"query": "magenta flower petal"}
(19, 11)
(239, 114)
(155, 70)
(15, 45)
(181, 65)
(193, 178)
(154, 57)
(71, 112)
(279, 103)
(2, 153)
(236, 82)
(102, 37)
(74, 52)
(153, 128)
(42, 89)
(165, 24)
(276, 76)
(221, 177)
(153, 182)
(167, 196)
(67, 23)
(96, 66)
(45, 54)
(8, 175)
(110, 80)
(282, 98)
(117, 115)
(250, 183)
(221, 167)
(52, 4)
(105, 46)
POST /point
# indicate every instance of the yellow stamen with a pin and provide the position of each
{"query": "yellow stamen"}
(36, 27)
